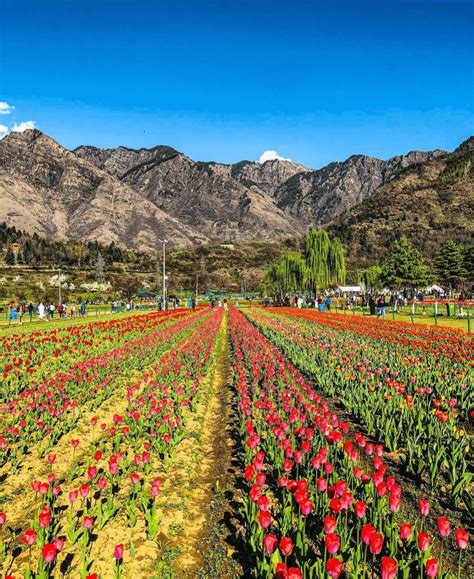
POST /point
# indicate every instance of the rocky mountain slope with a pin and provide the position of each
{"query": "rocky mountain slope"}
(317, 197)
(202, 195)
(48, 190)
(429, 202)
(136, 197)
(268, 200)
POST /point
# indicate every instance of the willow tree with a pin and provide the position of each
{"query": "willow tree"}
(287, 275)
(336, 263)
(317, 246)
(372, 278)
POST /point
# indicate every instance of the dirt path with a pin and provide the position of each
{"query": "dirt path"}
(200, 465)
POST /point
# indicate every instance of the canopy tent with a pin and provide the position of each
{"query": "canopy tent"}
(349, 289)
(434, 288)
(145, 294)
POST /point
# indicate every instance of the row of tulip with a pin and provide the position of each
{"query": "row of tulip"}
(320, 499)
(416, 399)
(118, 476)
(44, 412)
(28, 358)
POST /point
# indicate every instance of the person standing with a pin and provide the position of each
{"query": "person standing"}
(30, 311)
(13, 315)
(381, 305)
(51, 310)
(41, 310)
(372, 305)
(328, 303)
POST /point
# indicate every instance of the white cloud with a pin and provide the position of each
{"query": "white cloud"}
(271, 156)
(5, 108)
(3, 131)
(24, 126)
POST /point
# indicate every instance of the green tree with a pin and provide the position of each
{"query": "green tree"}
(404, 267)
(449, 264)
(468, 261)
(317, 245)
(372, 278)
(10, 257)
(336, 263)
(287, 275)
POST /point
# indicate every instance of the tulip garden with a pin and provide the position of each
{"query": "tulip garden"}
(352, 439)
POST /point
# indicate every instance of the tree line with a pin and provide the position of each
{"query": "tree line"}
(21, 248)
(321, 266)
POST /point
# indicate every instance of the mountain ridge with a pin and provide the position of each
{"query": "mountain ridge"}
(135, 197)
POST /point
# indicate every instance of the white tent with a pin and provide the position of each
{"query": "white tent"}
(344, 289)
(434, 288)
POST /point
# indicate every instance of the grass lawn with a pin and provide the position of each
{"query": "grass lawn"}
(94, 313)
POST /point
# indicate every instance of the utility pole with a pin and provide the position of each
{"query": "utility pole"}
(59, 286)
(164, 242)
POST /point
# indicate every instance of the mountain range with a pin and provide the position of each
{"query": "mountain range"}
(135, 197)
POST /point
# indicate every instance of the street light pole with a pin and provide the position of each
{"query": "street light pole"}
(59, 286)
(164, 242)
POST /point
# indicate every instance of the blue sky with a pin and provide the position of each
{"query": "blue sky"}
(221, 80)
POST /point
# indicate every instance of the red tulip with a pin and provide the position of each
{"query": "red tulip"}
(444, 527)
(49, 552)
(29, 537)
(88, 522)
(334, 567)
(423, 541)
(405, 531)
(329, 524)
(135, 478)
(376, 543)
(270, 542)
(322, 484)
(281, 571)
(118, 552)
(3, 518)
(389, 568)
(424, 507)
(59, 543)
(294, 573)
(335, 505)
(367, 531)
(286, 546)
(51, 459)
(92, 472)
(265, 519)
(249, 473)
(260, 479)
(263, 503)
(462, 538)
(432, 567)
(332, 542)
(360, 509)
(306, 507)
(84, 490)
(44, 517)
(394, 503)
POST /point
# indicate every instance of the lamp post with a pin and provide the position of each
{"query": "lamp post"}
(59, 286)
(164, 242)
